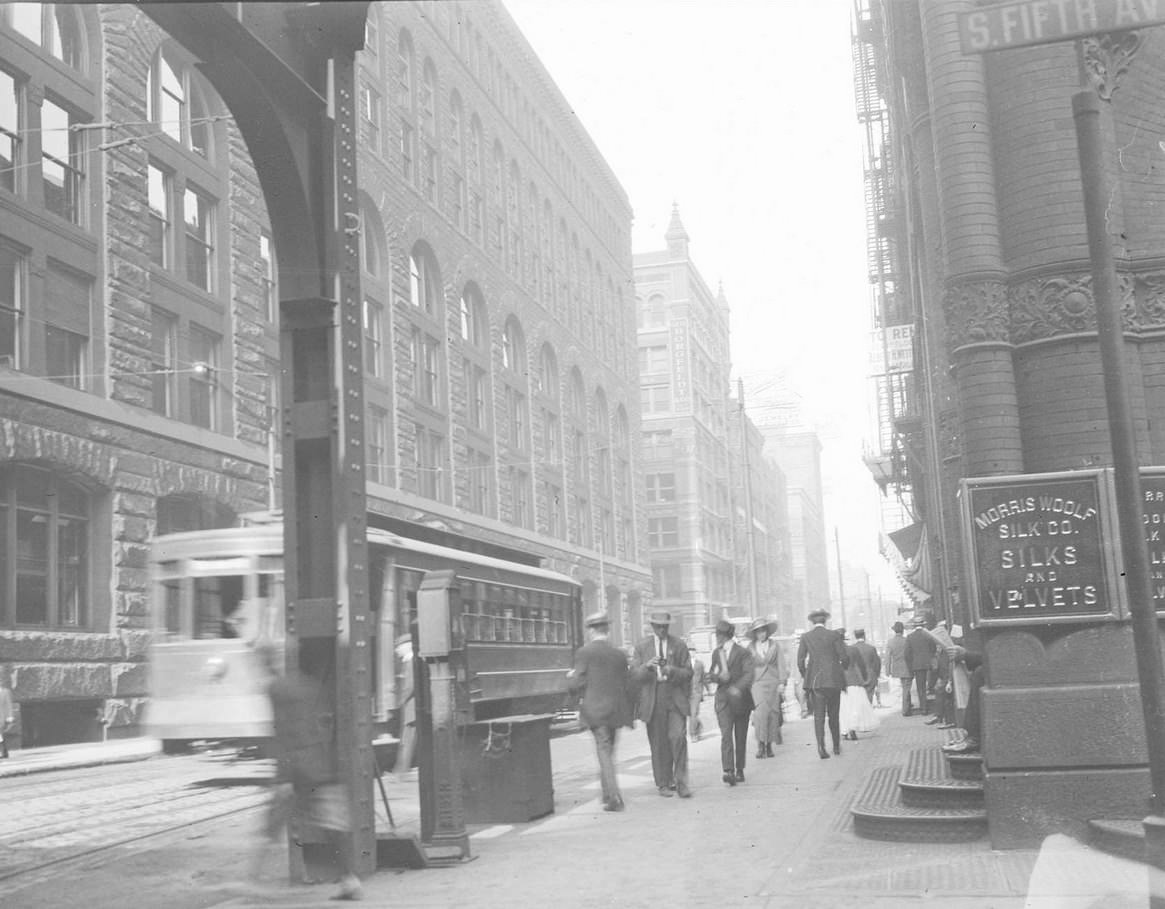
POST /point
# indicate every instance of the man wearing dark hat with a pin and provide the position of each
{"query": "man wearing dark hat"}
(600, 672)
(732, 671)
(662, 667)
(822, 659)
(921, 650)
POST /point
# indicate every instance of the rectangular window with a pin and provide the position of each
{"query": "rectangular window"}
(407, 155)
(373, 339)
(583, 513)
(378, 445)
(67, 301)
(655, 398)
(64, 356)
(653, 359)
(198, 212)
(158, 198)
(552, 437)
(62, 157)
(11, 306)
(520, 490)
(370, 118)
(661, 487)
(516, 409)
(478, 394)
(458, 202)
(429, 173)
(553, 497)
(426, 368)
(662, 532)
(10, 126)
(476, 217)
(430, 462)
(204, 366)
(480, 481)
(270, 287)
(163, 359)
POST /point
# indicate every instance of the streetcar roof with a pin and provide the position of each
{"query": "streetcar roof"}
(267, 539)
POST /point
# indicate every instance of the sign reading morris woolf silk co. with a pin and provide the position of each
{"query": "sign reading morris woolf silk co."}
(1040, 548)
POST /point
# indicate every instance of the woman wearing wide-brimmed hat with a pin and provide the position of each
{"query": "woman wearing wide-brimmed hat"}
(768, 687)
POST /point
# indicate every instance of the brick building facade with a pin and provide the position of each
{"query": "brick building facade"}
(987, 217)
(139, 334)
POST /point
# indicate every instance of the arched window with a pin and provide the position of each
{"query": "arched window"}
(424, 280)
(456, 129)
(548, 373)
(513, 349)
(44, 551)
(56, 27)
(474, 324)
(516, 428)
(176, 102)
(404, 72)
(430, 142)
(474, 167)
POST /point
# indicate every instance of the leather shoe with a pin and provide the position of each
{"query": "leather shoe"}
(946, 726)
(666, 792)
(615, 804)
(822, 753)
(837, 749)
(760, 752)
(933, 720)
(729, 777)
(967, 746)
(740, 776)
(769, 748)
(683, 791)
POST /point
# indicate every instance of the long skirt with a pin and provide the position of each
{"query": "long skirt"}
(857, 713)
(766, 718)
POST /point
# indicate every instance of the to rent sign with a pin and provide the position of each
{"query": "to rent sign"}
(1025, 22)
(1039, 548)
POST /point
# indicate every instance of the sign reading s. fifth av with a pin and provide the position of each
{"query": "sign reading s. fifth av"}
(1039, 548)
(1025, 22)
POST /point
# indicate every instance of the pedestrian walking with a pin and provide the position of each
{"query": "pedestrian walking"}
(600, 673)
(822, 661)
(731, 670)
(873, 663)
(309, 790)
(770, 675)
(856, 712)
(920, 651)
(7, 715)
(662, 668)
(406, 706)
(896, 665)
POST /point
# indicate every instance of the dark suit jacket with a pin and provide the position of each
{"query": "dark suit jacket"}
(675, 687)
(822, 658)
(600, 671)
(740, 673)
(870, 657)
(920, 649)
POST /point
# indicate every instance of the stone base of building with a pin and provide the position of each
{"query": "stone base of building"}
(1024, 807)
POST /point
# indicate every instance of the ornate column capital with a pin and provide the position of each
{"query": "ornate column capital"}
(1106, 58)
(1046, 307)
(976, 312)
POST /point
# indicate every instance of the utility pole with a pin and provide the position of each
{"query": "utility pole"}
(840, 584)
(753, 597)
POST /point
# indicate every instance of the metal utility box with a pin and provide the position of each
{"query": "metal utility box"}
(505, 769)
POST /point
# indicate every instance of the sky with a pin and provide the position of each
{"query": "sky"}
(742, 113)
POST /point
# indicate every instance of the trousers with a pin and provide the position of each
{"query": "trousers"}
(605, 749)
(669, 745)
(827, 703)
(733, 738)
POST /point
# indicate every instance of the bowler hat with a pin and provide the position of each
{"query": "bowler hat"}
(659, 617)
(768, 625)
(818, 614)
(597, 619)
(725, 627)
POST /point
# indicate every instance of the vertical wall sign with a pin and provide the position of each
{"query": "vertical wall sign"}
(1039, 548)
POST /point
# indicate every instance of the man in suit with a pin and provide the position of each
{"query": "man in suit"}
(896, 666)
(870, 659)
(732, 671)
(662, 668)
(600, 672)
(822, 660)
(920, 654)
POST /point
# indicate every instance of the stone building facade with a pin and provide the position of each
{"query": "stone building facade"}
(988, 216)
(139, 327)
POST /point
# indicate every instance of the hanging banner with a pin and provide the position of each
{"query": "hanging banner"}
(1039, 548)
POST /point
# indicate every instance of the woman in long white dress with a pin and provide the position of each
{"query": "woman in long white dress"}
(770, 673)
(857, 713)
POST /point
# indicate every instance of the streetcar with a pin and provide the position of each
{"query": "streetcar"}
(217, 595)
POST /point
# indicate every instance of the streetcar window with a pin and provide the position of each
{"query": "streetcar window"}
(216, 607)
(172, 606)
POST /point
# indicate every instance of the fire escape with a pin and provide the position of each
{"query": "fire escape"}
(891, 354)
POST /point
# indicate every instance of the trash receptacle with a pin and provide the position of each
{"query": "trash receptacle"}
(505, 769)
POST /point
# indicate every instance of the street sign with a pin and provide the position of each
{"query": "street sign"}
(1027, 22)
(1153, 510)
(1039, 548)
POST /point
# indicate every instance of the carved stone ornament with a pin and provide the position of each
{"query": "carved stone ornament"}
(1151, 311)
(976, 312)
(1107, 58)
(1047, 307)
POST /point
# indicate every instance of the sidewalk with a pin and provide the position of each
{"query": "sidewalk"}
(86, 754)
(782, 839)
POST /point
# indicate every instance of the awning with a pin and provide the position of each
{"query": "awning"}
(907, 551)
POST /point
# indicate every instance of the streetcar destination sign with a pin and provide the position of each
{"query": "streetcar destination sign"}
(1039, 548)
(1026, 22)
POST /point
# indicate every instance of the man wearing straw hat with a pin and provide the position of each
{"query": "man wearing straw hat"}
(662, 667)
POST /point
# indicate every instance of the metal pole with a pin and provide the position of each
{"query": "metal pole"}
(840, 585)
(1086, 108)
